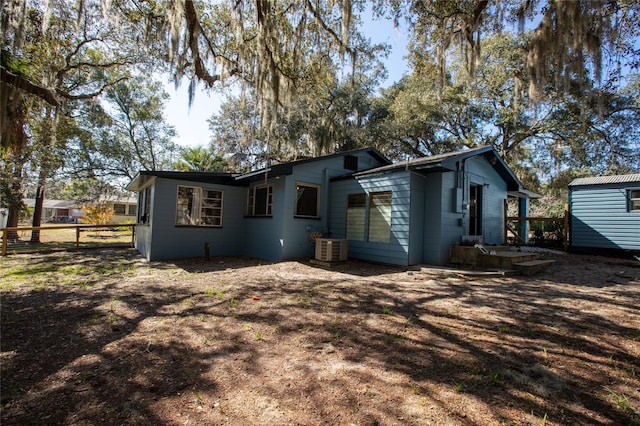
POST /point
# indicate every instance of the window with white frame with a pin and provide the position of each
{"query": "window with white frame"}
(196, 206)
(380, 217)
(132, 210)
(119, 208)
(356, 215)
(634, 200)
(307, 202)
(260, 200)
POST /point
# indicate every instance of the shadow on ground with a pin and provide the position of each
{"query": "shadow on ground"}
(104, 337)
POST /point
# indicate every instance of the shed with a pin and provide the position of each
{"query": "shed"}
(605, 212)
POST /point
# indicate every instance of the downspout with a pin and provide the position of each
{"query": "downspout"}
(326, 196)
(461, 183)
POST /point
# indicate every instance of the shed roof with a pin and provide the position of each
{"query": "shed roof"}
(605, 180)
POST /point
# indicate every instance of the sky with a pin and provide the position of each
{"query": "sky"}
(191, 123)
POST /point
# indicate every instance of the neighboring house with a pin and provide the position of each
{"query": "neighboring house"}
(65, 211)
(125, 208)
(404, 213)
(57, 211)
(605, 212)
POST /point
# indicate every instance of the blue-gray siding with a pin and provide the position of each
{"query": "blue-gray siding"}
(600, 217)
(169, 241)
(494, 193)
(277, 237)
(446, 220)
(397, 249)
(425, 221)
(427, 215)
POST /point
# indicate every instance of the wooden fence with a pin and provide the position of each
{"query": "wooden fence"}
(111, 235)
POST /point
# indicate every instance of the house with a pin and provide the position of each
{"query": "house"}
(65, 211)
(57, 211)
(124, 208)
(605, 212)
(403, 213)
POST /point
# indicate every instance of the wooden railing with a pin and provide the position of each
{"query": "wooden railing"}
(562, 221)
(38, 246)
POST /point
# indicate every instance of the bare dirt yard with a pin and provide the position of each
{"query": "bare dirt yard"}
(103, 337)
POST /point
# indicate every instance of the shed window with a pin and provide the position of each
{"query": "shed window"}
(260, 200)
(132, 210)
(307, 200)
(198, 207)
(119, 208)
(356, 212)
(634, 200)
(380, 217)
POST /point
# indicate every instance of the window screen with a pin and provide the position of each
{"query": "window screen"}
(380, 217)
(356, 212)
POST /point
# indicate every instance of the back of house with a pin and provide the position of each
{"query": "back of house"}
(605, 212)
(404, 213)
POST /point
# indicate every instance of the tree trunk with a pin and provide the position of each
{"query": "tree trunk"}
(37, 210)
(48, 142)
(12, 221)
(12, 193)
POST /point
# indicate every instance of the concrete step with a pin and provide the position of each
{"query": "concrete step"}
(531, 266)
(505, 259)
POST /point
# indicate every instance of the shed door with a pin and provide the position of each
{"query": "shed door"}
(475, 210)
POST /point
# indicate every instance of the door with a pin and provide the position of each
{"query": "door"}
(475, 210)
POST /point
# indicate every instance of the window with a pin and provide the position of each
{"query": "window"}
(380, 217)
(211, 208)
(132, 210)
(198, 207)
(260, 200)
(307, 200)
(356, 212)
(144, 206)
(119, 208)
(634, 200)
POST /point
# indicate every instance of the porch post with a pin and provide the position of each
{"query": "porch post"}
(523, 225)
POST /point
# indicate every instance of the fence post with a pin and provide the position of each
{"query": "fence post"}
(77, 237)
(5, 237)
(524, 225)
(133, 235)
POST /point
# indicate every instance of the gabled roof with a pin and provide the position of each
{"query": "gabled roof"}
(51, 204)
(144, 178)
(604, 180)
(287, 168)
(449, 162)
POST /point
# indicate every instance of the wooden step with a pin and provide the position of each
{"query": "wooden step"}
(530, 266)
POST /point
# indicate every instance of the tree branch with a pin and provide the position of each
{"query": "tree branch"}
(22, 83)
(88, 95)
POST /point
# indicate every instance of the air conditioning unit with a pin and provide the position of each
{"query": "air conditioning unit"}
(331, 249)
